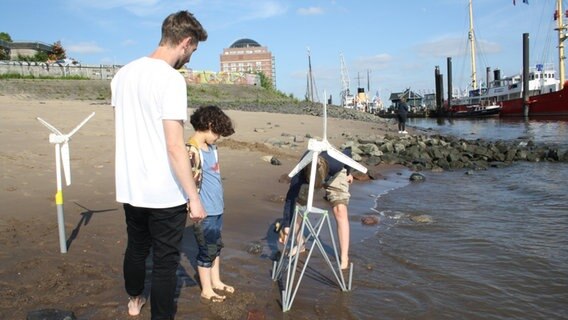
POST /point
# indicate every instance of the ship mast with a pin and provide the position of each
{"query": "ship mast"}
(561, 37)
(471, 36)
(311, 93)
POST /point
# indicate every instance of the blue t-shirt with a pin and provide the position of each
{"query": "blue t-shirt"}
(211, 194)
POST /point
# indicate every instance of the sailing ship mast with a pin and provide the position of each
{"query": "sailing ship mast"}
(561, 37)
(471, 36)
(311, 94)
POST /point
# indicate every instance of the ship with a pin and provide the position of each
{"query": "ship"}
(546, 94)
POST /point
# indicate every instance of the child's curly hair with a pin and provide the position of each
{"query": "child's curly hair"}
(212, 117)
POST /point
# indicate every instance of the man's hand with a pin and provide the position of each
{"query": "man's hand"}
(349, 178)
(195, 210)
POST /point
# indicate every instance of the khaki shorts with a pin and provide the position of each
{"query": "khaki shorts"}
(336, 190)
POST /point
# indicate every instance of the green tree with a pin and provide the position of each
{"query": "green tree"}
(265, 82)
(4, 53)
(5, 36)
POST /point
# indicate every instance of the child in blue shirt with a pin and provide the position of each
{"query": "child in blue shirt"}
(209, 123)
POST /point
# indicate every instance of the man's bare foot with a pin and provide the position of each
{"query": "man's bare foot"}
(135, 304)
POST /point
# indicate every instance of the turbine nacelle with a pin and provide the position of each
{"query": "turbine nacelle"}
(56, 138)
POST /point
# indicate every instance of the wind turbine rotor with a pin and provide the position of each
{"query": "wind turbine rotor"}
(50, 127)
(80, 125)
(339, 156)
(302, 164)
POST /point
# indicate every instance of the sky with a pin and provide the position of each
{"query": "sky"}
(387, 45)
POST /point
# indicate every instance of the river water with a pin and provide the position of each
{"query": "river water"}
(497, 246)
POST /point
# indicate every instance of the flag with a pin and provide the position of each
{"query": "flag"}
(514, 3)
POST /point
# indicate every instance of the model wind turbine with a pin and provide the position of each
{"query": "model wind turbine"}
(61, 142)
(315, 147)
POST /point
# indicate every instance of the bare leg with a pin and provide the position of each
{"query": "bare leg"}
(206, 284)
(216, 277)
(300, 241)
(341, 217)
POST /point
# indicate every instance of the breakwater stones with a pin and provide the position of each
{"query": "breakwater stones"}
(437, 152)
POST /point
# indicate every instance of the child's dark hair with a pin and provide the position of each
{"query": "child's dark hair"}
(212, 117)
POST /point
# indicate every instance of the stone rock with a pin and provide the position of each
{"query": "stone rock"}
(275, 162)
(359, 176)
(423, 218)
(417, 177)
(369, 220)
(375, 175)
(254, 248)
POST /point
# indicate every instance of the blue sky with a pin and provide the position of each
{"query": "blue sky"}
(398, 43)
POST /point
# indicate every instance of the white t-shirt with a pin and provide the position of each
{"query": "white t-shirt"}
(145, 92)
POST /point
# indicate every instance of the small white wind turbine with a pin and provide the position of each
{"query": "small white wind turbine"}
(315, 147)
(61, 142)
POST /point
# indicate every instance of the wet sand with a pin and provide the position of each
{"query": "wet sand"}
(87, 280)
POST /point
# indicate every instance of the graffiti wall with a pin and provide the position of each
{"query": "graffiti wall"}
(211, 77)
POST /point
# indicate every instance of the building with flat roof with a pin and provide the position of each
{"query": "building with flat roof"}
(24, 48)
(246, 55)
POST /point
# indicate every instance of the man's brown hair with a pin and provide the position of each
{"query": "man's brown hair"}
(180, 25)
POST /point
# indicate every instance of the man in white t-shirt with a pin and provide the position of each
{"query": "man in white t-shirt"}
(153, 179)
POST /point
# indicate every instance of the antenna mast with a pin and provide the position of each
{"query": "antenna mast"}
(345, 83)
(471, 36)
(311, 91)
(561, 37)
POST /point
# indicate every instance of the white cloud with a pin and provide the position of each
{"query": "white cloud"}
(378, 61)
(310, 11)
(454, 47)
(137, 7)
(264, 10)
(84, 48)
(128, 43)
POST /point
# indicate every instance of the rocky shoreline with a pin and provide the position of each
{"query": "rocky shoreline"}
(438, 153)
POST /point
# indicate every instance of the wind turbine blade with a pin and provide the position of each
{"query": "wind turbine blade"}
(50, 127)
(66, 162)
(341, 157)
(304, 162)
(80, 125)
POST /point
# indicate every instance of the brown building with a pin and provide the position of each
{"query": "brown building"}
(246, 55)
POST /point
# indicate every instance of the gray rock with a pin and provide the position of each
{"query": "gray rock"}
(423, 218)
(417, 177)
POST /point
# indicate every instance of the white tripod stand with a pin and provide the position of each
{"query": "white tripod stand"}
(288, 260)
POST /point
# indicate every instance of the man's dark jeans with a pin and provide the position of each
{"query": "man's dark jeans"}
(161, 230)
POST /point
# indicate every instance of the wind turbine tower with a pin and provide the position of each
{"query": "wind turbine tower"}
(61, 142)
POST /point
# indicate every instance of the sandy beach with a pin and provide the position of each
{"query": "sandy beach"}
(87, 280)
